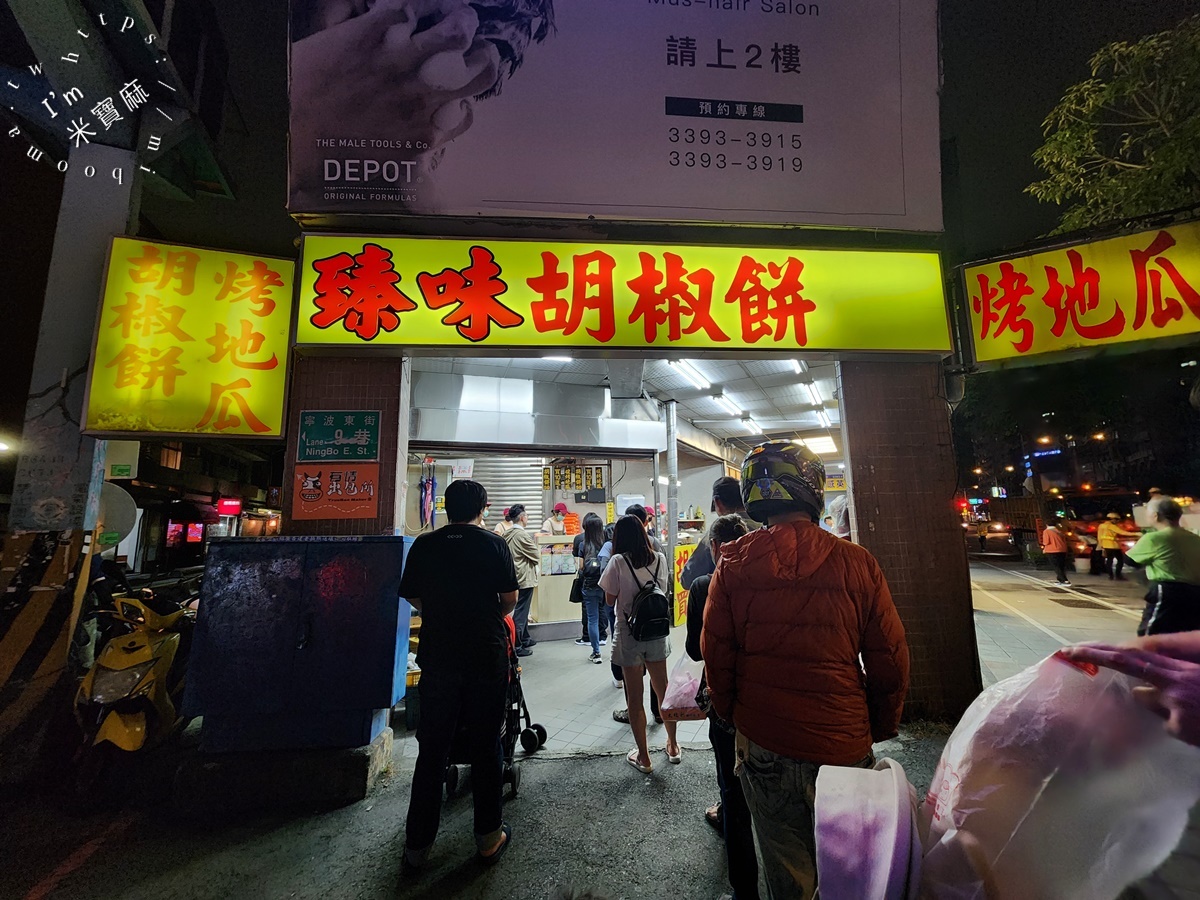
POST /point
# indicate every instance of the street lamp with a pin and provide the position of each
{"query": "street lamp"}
(977, 471)
(1010, 468)
(4, 448)
(1044, 439)
(1098, 436)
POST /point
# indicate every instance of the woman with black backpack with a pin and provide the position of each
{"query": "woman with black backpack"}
(587, 551)
(635, 583)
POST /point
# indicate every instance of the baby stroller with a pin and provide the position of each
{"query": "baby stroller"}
(532, 736)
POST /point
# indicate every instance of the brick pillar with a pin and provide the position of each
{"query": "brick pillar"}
(902, 481)
(340, 383)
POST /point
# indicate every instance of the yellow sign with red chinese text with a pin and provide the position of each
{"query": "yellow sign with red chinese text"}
(190, 341)
(412, 292)
(339, 490)
(683, 552)
(1113, 291)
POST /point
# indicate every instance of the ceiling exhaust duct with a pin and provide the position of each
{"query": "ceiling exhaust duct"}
(625, 378)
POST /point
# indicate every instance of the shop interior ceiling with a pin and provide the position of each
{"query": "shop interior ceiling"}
(775, 397)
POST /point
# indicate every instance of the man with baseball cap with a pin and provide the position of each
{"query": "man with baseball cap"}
(726, 501)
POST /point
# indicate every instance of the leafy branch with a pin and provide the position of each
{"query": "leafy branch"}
(1125, 142)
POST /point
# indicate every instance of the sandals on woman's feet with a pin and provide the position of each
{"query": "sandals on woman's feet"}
(715, 817)
(632, 759)
(490, 859)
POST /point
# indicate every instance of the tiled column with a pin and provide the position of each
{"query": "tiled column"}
(902, 481)
(340, 383)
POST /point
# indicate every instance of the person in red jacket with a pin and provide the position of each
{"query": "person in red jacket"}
(791, 612)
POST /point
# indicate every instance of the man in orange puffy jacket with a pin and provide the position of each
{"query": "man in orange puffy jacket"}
(791, 611)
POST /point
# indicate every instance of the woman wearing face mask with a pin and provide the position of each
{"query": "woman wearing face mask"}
(554, 524)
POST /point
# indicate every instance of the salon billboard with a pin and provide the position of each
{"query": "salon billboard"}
(731, 111)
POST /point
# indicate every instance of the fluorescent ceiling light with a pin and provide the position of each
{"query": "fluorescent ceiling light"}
(841, 465)
(799, 366)
(729, 406)
(824, 416)
(559, 358)
(691, 373)
(753, 426)
(823, 446)
(815, 394)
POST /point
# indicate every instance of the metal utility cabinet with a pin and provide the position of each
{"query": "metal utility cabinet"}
(301, 642)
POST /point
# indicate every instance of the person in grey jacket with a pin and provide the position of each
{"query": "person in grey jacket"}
(527, 558)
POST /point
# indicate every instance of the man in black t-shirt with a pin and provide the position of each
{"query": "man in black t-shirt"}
(462, 581)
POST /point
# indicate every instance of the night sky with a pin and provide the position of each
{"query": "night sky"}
(1005, 65)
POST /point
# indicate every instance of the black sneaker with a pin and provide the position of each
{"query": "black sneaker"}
(596, 658)
(531, 643)
(524, 651)
(583, 642)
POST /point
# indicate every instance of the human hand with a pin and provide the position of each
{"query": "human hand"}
(1170, 664)
(404, 70)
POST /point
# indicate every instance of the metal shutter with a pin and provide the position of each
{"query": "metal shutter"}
(509, 480)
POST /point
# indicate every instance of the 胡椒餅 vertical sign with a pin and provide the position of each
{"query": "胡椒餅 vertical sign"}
(741, 111)
(337, 464)
(190, 341)
(1131, 288)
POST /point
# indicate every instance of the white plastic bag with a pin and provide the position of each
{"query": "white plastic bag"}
(683, 685)
(1056, 785)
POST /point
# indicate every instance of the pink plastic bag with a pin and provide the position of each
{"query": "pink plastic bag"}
(1055, 784)
(680, 703)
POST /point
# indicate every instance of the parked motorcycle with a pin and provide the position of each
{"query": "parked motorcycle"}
(128, 701)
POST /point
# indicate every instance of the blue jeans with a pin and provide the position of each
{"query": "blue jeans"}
(781, 793)
(593, 600)
(469, 707)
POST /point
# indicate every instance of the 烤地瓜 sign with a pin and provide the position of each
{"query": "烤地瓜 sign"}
(1113, 291)
(190, 341)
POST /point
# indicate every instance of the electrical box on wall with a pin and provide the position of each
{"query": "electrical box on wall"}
(591, 495)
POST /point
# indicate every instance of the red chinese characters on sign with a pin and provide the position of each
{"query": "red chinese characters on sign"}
(473, 292)
(591, 282)
(219, 411)
(240, 347)
(360, 291)
(254, 286)
(767, 312)
(1149, 280)
(143, 318)
(1075, 300)
(177, 266)
(136, 367)
(1001, 307)
(671, 296)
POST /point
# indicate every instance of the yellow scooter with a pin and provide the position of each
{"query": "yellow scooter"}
(128, 701)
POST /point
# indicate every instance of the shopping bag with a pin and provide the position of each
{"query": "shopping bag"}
(680, 703)
(1055, 783)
